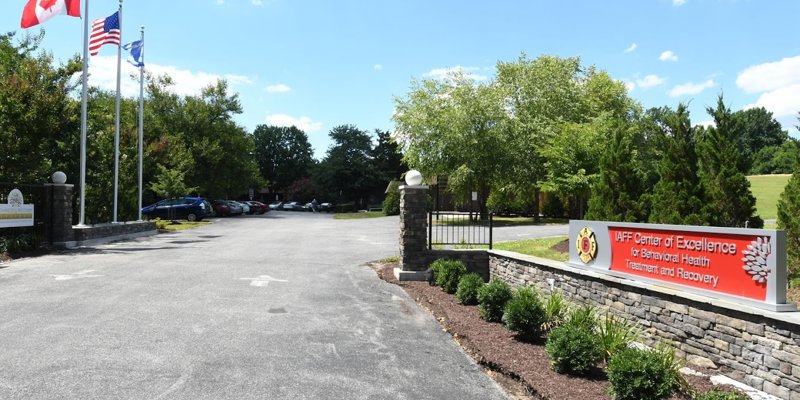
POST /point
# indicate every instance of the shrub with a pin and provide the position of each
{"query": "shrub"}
(555, 311)
(642, 374)
(468, 287)
(160, 224)
(718, 394)
(391, 204)
(615, 334)
(447, 273)
(492, 298)
(583, 317)
(573, 349)
(524, 313)
(345, 207)
(553, 207)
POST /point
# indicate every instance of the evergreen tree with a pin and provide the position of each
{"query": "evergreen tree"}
(619, 195)
(678, 195)
(789, 218)
(726, 187)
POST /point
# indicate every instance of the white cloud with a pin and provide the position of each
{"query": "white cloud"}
(103, 74)
(278, 88)
(668, 55)
(377, 67)
(304, 123)
(444, 73)
(678, 3)
(781, 102)
(220, 2)
(632, 48)
(258, 3)
(691, 88)
(770, 76)
(707, 123)
(629, 85)
(649, 81)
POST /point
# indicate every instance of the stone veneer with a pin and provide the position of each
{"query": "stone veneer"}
(757, 347)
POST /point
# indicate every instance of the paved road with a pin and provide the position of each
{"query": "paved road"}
(509, 233)
(267, 307)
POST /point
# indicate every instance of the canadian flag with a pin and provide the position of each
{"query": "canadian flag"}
(39, 11)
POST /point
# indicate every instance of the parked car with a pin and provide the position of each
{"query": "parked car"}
(245, 207)
(293, 206)
(211, 211)
(222, 208)
(258, 207)
(189, 208)
(236, 208)
(325, 207)
(276, 205)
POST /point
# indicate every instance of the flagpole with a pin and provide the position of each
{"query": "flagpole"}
(82, 215)
(116, 129)
(141, 122)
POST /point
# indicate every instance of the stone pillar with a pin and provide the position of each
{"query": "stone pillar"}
(413, 233)
(59, 215)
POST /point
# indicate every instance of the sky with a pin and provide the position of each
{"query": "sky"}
(318, 64)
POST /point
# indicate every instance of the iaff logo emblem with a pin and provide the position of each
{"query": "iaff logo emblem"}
(587, 245)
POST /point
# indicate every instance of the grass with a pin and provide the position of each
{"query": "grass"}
(498, 222)
(535, 247)
(767, 189)
(183, 225)
(359, 215)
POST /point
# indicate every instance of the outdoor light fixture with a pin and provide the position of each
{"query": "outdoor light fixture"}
(413, 178)
(59, 178)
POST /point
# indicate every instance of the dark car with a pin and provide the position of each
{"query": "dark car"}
(222, 208)
(189, 208)
(257, 207)
(325, 207)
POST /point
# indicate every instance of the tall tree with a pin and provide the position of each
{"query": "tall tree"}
(346, 171)
(789, 218)
(618, 194)
(284, 154)
(454, 127)
(759, 130)
(387, 158)
(727, 189)
(678, 197)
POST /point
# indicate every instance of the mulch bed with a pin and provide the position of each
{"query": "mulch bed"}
(495, 348)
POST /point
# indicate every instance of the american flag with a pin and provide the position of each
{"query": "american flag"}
(104, 31)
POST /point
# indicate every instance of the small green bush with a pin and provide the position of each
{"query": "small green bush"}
(391, 203)
(573, 349)
(468, 287)
(447, 273)
(492, 299)
(584, 317)
(555, 311)
(637, 374)
(616, 334)
(524, 313)
(718, 394)
(160, 224)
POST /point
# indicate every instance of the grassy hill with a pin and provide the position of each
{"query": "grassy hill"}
(767, 189)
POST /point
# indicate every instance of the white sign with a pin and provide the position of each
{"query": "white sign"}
(16, 212)
(474, 196)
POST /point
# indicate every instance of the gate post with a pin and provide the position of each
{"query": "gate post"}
(413, 233)
(59, 222)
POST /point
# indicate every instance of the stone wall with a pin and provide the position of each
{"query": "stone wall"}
(757, 347)
(413, 228)
(476, 261)
(103, 233)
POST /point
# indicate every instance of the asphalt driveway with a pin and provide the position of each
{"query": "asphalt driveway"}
(266, 307)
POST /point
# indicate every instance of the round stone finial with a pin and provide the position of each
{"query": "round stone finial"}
(413, 178)
(59, 178)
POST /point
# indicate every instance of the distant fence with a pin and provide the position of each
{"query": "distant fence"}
(33, 194)
(457, 229)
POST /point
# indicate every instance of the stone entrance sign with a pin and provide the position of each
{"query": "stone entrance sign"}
(16, 213)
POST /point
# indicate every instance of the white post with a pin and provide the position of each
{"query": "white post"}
(82, 219)
(116, 128)
(141, 122)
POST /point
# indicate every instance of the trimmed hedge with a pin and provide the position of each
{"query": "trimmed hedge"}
(637, 374)
(573, 349)
(447, 273)
(524, 313)
(468, 287)
(492, 299)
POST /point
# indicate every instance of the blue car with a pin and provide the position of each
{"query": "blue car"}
(189, 208)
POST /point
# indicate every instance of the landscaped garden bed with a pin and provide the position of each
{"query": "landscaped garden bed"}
(501, 351)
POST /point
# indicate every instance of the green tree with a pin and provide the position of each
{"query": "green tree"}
(39, 117)
(618, 194)
(789, 218)
(171, 183)
(759, 130)
(678, 197)
(775, 159)
(726, 187)
(347, 166)
(387, 158)
(284, 154)
(454, 127)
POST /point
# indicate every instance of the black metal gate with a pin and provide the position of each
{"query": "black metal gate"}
(459, 229)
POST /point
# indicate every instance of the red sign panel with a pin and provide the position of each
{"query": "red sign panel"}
(726, 263)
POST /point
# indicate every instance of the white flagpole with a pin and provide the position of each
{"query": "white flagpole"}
(116, 129)
(82, 219)
(141, 122)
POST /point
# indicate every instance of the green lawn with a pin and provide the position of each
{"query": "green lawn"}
(498, 222)
(535, 247)
(767, 189)
(359, 215)
(183, 225)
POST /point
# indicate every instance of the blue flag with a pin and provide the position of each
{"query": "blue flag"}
(136, 57)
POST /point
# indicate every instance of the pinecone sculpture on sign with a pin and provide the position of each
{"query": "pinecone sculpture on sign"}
(755, 259)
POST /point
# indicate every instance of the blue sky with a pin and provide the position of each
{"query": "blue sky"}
(322, 63)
